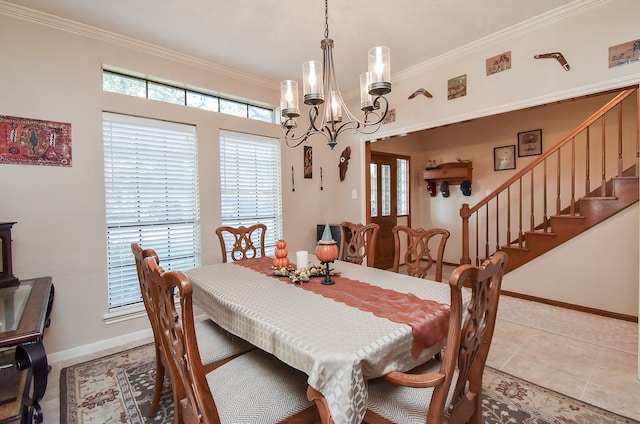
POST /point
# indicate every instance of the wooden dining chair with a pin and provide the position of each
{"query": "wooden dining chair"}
(420, 249)
(243, 242)
(358, 242)
(254, 387)
(217, 347)
(449, 389)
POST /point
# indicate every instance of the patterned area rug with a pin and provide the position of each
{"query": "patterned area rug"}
(118, 389)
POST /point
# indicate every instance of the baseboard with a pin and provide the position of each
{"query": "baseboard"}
(565, 305)
(130, 340)
(138, 337)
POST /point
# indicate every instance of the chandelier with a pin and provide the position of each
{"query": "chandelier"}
(328, 114)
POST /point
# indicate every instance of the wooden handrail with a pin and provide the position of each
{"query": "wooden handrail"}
(597, 115)
(466, 211)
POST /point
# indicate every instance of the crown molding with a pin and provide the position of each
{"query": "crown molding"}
(530, 25)
(584, 90)
(83, 30)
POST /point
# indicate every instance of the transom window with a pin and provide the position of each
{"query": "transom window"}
(129, 85)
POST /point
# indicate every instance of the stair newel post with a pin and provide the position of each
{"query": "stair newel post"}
(464, 214)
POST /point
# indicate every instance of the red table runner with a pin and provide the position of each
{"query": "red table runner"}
(429, 320)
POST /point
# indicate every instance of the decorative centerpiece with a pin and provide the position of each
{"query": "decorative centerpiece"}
(327, 252)
(300, 275)
(281, 260)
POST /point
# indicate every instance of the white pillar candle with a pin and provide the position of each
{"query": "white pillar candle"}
(302, 259)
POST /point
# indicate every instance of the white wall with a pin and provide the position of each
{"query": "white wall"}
(583, 33)
(580, 272)
(53, 72)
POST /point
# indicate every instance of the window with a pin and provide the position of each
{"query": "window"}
(250, 183)
(382, 171)
(402, 196)
(129, 85)
(151, 197)
(386, 189)
(373, 170)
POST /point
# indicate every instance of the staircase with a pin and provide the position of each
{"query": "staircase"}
(591, 210)
(515, 218)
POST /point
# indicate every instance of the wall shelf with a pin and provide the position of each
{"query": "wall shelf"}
(453, 173)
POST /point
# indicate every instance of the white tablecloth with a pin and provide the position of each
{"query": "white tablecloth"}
(339, 347)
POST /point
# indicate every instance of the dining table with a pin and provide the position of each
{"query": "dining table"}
(368, 323)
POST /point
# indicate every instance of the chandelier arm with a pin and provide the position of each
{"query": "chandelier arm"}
(289, 135)
(379, 116)
(293, 145)
(376, 107)
(313, 117)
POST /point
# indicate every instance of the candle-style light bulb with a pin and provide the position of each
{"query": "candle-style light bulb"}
(379, 66)
(334, 109)
(289, 99)
(312, 87)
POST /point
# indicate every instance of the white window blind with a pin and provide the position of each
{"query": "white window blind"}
(151, 197)
(250, 183)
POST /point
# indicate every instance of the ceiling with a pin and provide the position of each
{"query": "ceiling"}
(271, 38)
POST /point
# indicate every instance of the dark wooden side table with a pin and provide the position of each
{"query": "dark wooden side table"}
(24, 314)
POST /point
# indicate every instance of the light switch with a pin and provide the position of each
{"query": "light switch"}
(354, 194)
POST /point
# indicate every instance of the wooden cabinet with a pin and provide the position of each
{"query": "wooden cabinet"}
(27, 306)
(453, 173)
(6, 270)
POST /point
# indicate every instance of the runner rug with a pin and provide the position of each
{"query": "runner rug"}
(118, 388)
(429, 320)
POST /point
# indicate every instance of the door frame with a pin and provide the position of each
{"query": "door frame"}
(367, 174)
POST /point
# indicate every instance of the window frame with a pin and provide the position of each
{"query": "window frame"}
(151, 197)
(251, 183)
(222, 104)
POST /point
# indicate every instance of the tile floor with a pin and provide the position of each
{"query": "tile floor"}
(585, 356)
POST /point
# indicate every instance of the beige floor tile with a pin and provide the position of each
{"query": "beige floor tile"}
(554, 362)
(51, 410)
(603, 331)
(508, 339)
(613, 383)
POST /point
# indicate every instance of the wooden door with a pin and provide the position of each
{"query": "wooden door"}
(382, 209)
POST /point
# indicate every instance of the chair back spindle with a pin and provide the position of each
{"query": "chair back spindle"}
(419, 250)
(238, 243)
(358, 242)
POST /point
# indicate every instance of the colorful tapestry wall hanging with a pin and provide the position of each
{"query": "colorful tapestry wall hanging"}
(34, 142)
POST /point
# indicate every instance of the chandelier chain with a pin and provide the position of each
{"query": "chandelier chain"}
(326, 18)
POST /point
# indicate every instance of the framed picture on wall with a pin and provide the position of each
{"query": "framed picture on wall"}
(530, 143)
(504, 158)
(308, 162)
